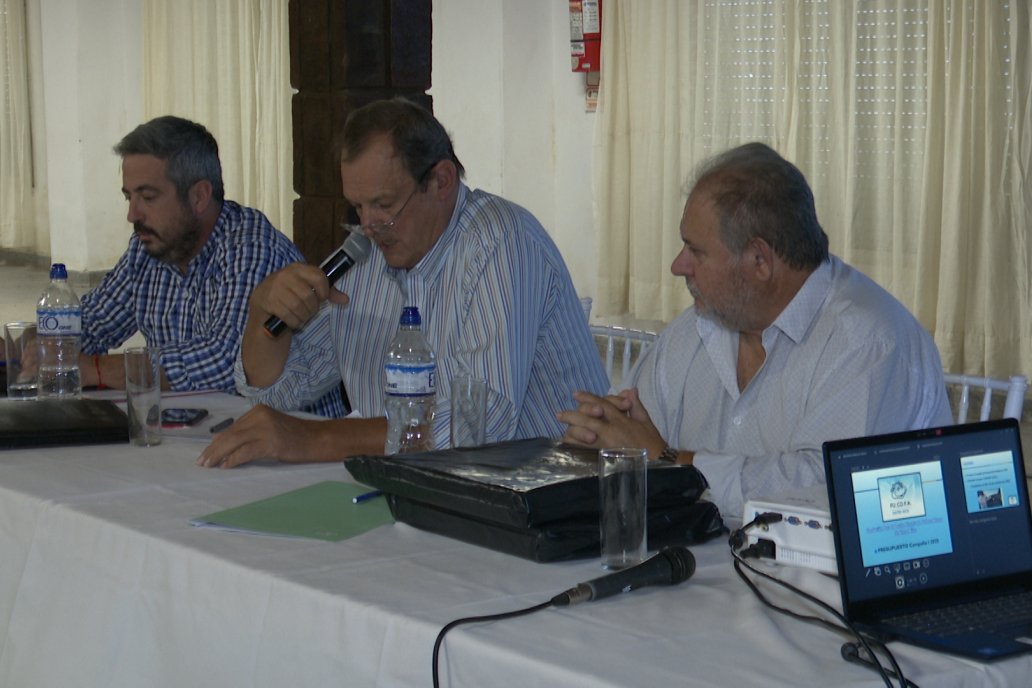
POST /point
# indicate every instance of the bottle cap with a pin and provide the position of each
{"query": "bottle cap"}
(58, 271)
(410, 316)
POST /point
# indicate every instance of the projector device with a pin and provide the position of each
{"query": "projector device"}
(803, 536)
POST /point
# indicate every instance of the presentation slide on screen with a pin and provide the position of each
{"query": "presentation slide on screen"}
(989, 481)
(901, 513)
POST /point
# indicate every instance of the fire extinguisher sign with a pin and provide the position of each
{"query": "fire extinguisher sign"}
(585, 35)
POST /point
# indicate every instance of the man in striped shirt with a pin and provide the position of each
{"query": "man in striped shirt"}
(494, 293)
(192, 261)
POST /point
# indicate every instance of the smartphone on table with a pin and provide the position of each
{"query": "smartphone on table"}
(182, 417)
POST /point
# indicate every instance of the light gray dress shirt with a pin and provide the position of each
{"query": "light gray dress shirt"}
(496, 300)
(844, 359)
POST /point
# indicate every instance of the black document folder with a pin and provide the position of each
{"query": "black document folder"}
(536, 498)
(53, 422)
(572, 538)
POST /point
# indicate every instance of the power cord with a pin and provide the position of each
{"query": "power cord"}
(475, 619)
(855, 654)
(860, 652)
(760, 548)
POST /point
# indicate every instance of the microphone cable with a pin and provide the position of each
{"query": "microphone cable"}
(671, 566)
(861, 652)
(475, 619)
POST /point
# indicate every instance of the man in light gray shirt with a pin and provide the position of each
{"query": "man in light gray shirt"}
(785, 347)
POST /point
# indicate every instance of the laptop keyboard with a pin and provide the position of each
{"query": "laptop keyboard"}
(1010, 615)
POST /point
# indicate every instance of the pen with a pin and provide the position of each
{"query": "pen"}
(366, 496)
(221, 425)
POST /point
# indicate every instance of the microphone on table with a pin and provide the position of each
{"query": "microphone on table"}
(671, 566)
(353, 251)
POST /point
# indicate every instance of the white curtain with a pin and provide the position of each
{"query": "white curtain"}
(910, 118)
(17, 219)
(226, 65)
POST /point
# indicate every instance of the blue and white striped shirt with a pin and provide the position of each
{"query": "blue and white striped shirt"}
(496, 300)
(196, 319)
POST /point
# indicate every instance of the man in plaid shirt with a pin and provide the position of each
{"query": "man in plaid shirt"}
(193, 259)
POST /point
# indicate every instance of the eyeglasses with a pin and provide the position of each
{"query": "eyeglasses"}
(375, 230)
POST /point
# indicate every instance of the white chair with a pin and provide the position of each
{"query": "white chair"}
(634, 343)
(1013, 403)
(585, 303)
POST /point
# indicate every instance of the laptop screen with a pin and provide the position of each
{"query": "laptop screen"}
(921, 511)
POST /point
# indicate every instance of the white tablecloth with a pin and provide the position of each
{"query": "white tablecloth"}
(103, 582)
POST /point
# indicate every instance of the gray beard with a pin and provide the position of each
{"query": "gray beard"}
(177, 251)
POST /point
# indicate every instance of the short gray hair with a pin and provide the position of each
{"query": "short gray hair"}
(757, 193)
(419, 139)
(190, 152)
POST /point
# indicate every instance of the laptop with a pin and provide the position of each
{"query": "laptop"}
(933, 537)
(55, 422)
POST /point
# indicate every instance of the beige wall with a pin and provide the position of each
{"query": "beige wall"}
(501, 85)
(88, 91)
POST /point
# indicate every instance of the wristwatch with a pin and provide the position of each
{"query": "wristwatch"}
(669, 454)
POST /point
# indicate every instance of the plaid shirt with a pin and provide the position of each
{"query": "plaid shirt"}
(196, 319)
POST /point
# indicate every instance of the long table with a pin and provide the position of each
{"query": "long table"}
(104, 582)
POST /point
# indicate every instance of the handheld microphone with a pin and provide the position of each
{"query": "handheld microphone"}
(671, 566)
(353, 251)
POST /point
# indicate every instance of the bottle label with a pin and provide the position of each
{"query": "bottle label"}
(411, 380)
(59, 323)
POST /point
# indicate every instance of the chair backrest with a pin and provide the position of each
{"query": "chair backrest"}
(585, 303)
(632, 343)
(1014, 402)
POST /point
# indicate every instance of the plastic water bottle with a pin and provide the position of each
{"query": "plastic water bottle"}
(411, 389)
(59, 332)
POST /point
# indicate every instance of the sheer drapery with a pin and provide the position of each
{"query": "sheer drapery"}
(226, 65)
(910, 118)
(17, 219)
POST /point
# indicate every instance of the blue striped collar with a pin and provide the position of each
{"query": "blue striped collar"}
(430, 266)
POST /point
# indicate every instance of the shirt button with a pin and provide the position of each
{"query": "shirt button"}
(737, 420)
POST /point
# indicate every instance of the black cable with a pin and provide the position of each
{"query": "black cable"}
(846, 625)
(783, 610)
(738, 537)
(851, 653)
(473, 619)
(872, 663)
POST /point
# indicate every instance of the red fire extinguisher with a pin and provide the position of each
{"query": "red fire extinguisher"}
(586, 35)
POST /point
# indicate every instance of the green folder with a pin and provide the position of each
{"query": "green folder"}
(323, 511)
